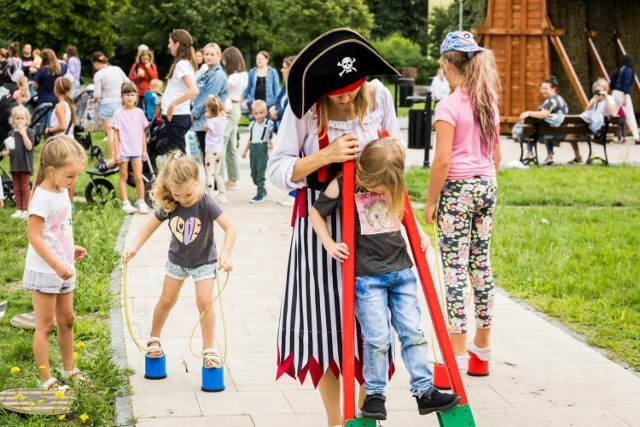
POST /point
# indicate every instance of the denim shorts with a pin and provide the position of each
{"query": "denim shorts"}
(129, 158)
(201, 272)
(107, 110)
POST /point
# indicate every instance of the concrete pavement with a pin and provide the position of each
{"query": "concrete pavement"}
(541, 375)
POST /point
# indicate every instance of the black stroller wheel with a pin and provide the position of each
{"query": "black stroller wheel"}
(99, 191)
(148, 186)
(96, 153)
(7, 189)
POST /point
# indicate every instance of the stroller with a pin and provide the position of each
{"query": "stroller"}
(87, 113)
(101, 190)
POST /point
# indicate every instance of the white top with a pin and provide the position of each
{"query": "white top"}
(299, 136)
(214, 138)
(176, 88)
(108, 83)
(601, 106)
(67, 119)
(239, 81)
(57, 233)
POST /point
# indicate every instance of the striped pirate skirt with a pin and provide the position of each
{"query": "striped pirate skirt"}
(310, 329)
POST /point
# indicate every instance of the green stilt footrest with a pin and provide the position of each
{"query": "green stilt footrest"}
(361, 422)
(457, 417)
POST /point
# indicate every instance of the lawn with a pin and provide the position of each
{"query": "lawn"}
(565, 242)
(96, 228)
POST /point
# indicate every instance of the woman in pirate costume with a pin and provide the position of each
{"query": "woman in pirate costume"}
(333, 113)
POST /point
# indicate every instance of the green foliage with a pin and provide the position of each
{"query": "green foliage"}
(401, 52)
(562, 242)
(300, 22)
(406, 17)
(443, 19)
(58, 23)
(245, 24)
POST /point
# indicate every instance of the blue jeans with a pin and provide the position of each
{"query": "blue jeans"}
(376, 296)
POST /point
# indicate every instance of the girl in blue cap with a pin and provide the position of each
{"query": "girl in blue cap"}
(463, 187)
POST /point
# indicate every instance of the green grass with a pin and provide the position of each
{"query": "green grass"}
(582, 264)
(96, 228)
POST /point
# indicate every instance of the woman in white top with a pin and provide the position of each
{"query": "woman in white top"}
(64, 116)
(238, 81)
(108, 81)
(181, 88)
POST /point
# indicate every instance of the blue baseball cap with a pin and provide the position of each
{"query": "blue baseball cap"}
(462, 41)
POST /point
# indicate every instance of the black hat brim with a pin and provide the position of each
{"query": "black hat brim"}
(326, 64)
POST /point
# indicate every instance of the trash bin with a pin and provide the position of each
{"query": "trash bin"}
(417, 128)
(405, 86)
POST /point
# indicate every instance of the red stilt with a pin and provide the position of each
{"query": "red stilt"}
(441, 377)
(477, 367)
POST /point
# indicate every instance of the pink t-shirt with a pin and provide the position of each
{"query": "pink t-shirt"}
(468, 157)
(130, 125)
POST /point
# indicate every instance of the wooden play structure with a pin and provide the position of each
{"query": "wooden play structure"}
(521, 35)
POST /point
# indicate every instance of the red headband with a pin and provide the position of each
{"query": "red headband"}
(353, 86)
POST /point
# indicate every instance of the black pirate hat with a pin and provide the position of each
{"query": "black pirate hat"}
(337, 59)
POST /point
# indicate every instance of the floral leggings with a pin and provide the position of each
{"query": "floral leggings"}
(465, 217)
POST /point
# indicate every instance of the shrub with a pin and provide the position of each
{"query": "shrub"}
(401, 52)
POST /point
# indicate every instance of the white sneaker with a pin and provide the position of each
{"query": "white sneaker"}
(127, 208)
(222, 199)
(461, 361)
(287, 201)
(25, 215)
(142, 206)
(483, 354)
(17, 214)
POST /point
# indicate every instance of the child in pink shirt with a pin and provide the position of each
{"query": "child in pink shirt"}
(463, 187)
(129, 124)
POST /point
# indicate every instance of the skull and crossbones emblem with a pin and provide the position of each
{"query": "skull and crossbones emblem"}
(347, 65)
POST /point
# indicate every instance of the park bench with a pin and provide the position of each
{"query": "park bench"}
(573, 129)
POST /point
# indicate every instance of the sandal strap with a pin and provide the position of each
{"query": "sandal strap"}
(211, 355)
(71, 373)
(48, 385)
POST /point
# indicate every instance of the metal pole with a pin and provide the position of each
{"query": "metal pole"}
(427, 130)
(460, 15)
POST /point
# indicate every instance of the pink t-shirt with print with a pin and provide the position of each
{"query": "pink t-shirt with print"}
(468, 157)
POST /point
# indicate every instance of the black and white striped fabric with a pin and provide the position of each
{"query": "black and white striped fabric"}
(310, 328)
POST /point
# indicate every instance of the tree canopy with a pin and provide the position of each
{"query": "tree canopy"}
(87, 24)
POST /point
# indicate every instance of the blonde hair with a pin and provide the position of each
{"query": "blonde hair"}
(156, 83)
(258, 105)
(23, 86)
(480, 76)
(602, 83)
(214, 106)
(213, 46)
(178, 170)
(144, 52)
(381, 163)
(360, 106)
(185, 49)
(19, 110)
(62, 87)
(59, 152)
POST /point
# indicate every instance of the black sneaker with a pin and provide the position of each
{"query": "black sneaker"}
(373, 407)
(436, 402)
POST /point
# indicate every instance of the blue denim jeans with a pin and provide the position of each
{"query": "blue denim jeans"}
(376, 297)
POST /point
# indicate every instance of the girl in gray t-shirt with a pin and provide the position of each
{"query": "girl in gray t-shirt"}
(192, 251)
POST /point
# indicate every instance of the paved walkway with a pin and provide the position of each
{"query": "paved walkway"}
(542, 375)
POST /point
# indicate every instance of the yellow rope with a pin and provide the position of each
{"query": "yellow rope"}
(125, 306)
(224, 323)
(218, 297)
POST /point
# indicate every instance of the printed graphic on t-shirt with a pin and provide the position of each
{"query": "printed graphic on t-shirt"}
(186, 231)
(373, 213)
(61, 228)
